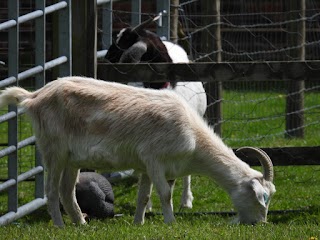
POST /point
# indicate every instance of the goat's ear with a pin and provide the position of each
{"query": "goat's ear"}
(134, 53)
(261, 194)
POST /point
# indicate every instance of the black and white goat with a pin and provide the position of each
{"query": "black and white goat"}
(137, 44)
(85, 123)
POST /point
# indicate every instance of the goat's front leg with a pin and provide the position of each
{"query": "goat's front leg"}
(145, 187)
(68, 196)
(171, 184)
(164, 190)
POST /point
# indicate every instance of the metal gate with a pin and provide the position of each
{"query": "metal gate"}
(15, 76)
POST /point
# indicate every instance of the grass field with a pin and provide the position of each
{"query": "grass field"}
(294, 210)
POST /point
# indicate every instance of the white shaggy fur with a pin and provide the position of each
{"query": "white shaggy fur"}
(86, 123)
(194, 94)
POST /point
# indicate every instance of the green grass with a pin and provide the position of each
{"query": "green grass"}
(297, 191)
(258, 119)
(298, 188)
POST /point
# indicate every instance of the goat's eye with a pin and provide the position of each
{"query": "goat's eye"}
(265, 197)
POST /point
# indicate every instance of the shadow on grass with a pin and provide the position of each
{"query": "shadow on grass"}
(310, 214)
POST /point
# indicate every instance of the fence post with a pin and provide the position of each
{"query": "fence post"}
(295, 95)
(40, 59)
(84, 38)
(64, 37)
(13, 70)
(213, 89)
(107, 25)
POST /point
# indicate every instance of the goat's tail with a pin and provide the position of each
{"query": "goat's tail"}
(13, 95)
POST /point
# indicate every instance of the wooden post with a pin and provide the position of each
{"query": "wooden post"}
(174, 20)
(213, 89)
(84, 38)
(295, 95)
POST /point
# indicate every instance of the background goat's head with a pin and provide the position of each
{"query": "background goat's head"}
(134, 45)
(138, 40)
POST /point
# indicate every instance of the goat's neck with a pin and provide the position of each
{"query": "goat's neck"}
(221, 164)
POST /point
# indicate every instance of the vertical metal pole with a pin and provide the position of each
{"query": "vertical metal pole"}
(40, 44)
(13, 58)
(92, 16)
(107, 25)
(65, 39)
(135, 12)
(163, 7)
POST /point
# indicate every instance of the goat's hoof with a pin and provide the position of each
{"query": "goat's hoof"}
(186, 205)
(187, 202)
(138, 221)
(170, 222)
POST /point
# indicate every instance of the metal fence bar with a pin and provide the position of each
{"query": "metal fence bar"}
(101, 53)
(55, 62)
(23, 143)
(7, 24)
(7, 184)
(7, 151)
(7, 116)
(33, 15)
(13, 59)
(8, 81)
(26, 142)
(32, 172)
(22, 211)
(33, 71)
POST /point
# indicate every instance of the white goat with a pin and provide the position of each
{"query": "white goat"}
(86, 123)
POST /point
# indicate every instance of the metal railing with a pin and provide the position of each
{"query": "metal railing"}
(64, 62)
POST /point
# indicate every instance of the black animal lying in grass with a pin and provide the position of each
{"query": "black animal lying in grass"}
(94, 195)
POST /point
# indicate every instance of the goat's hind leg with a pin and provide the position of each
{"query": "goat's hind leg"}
(52, 192)
(68, 196)
(187, 197)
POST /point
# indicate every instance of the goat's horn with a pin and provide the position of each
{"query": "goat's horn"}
(263, 158)
(145, 23)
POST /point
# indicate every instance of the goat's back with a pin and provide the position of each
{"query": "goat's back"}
(98, 119)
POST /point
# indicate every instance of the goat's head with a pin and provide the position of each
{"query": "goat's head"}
(253, 197)
(139, 43)
(125, 39)
(129, 36)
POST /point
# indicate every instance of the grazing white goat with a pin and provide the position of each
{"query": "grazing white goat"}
(137, 44)
(86, 123)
